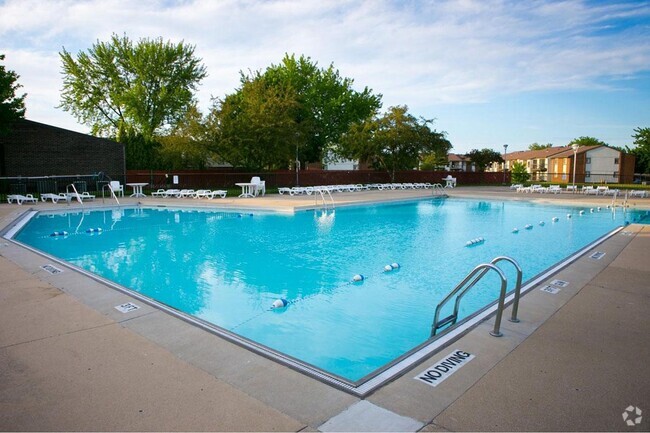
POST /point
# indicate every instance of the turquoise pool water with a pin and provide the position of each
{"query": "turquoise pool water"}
(228, 268)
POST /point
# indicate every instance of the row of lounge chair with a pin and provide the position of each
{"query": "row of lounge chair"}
(190, 193)
(297, 190)
(587, 189)
(55, 198)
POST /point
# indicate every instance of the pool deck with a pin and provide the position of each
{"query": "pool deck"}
(70, 361)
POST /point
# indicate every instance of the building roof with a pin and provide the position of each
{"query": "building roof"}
(537, 154)
(453, 157)
(581, 149)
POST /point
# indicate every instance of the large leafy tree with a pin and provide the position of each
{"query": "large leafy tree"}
(484, 157)
(587, 141)
(142, 87)
(642, 150)
(394, 141)
(537, 146)
(12, 106)
(256, 127)
(186, 146)
(327, 102)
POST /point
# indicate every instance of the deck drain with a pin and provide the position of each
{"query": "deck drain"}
(52, 269)
(597, 255)
(127, 308)
(551, 289)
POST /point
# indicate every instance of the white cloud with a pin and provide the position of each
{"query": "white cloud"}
(418, 53)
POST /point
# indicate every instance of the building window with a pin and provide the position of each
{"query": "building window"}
(587, 174)
(588, 161)
(615, 161)
(616, 175)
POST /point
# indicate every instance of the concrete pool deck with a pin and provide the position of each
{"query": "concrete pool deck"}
(70, 361)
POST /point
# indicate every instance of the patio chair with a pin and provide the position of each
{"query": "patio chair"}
(117, 187)
(258, 185)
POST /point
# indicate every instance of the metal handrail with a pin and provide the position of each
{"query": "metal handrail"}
(470, 281)
(67, 191)
(322, 196)
(437, 189)
(110, 188)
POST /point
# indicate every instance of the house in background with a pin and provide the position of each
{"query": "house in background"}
(594, 164)
(537, 162)
(457, 162)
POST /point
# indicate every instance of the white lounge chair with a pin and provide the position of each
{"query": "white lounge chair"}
(117, 187)
(184, 193)
(80, 197)
(164, 193)
(555, 189)
(638, 193)
(54, 197)
(20, 199)
(217, 192)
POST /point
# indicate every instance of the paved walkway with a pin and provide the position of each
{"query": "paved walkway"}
(70, 361)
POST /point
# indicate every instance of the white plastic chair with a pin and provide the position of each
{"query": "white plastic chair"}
(116, 187)
(259, 185)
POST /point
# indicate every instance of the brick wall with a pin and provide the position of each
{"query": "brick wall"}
(36, 149)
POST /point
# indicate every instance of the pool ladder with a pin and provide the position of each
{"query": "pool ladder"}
(324, 202)
(470, 281)
(76, 194)
(437, 190)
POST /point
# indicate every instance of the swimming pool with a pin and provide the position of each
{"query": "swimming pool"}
(227, 268)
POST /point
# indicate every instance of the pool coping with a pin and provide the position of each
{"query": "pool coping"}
(330, 402)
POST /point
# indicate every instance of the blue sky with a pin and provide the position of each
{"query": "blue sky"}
(489, 72)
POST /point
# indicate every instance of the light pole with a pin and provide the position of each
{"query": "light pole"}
(505, 152)
(575, 147)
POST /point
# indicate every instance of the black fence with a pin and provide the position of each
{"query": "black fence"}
(55, 184)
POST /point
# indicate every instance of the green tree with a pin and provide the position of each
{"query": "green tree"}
(255, 128)
(434, 161)
(392, 142)
(140, 87)
(587, 141)
(186, 146)
(140, 152)
(537, 146)
(12, 107)
(327, 103)
(519, 173)
(484, 157)
(642, 150)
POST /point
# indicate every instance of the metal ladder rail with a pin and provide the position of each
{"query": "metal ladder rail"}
(110, 188)
(614, 199)
(437, 190)
(472, 278)
(322, 196)
(517, 294)
(67, 191)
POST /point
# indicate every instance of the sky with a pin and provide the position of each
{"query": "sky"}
(490, 72)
